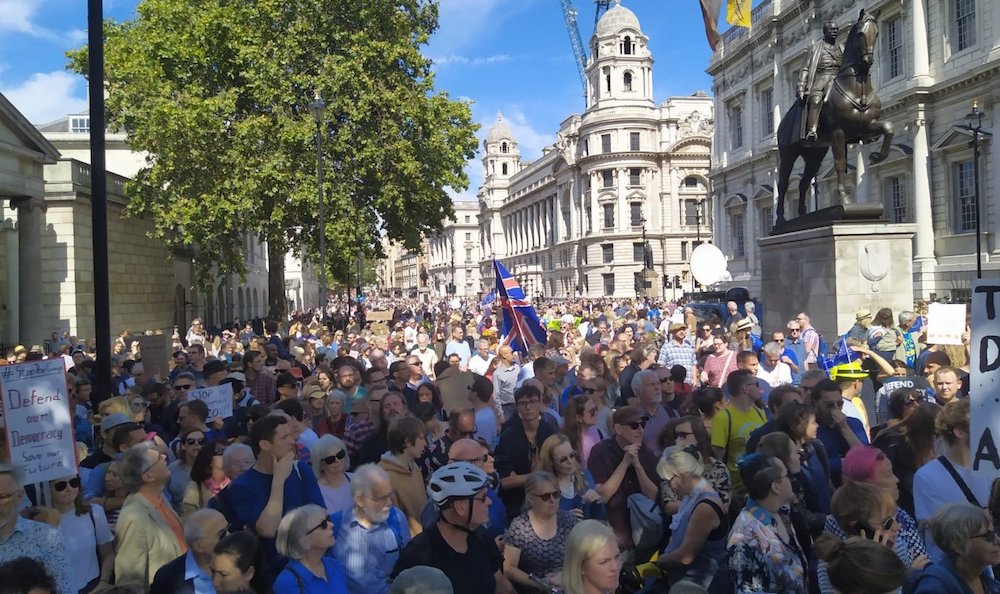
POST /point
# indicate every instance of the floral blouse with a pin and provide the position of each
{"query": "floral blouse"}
(716, 474)
(759, 561)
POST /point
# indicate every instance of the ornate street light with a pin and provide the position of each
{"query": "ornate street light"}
(975, 125)
(317, 109)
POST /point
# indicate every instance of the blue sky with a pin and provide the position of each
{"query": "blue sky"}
(511, 56)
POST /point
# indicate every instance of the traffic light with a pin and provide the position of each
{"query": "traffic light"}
(677, 280)
(666, 282)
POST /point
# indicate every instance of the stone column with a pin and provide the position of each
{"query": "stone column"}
(921, 61)
(621, 220)
(29, 236)
(923, 239)
(13, 280)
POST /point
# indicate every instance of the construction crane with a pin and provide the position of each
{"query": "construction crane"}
(576, 41)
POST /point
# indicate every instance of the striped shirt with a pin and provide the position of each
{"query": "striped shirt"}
(369, 554)
(673, 353)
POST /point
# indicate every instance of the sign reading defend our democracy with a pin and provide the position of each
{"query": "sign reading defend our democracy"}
(218, 398)
(39, 426)
(984, 375)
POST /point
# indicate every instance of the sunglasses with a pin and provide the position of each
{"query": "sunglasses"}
(61, 485)
(683, 434)
(138, 405)
(990, 536)
(195, 441)
(550, 496)
(565, 459)
(183, 387)
(334, 457)
(910, 402)
(321, 526)
(636, 424)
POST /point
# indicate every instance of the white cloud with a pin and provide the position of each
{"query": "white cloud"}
(46, 96)
(18, 16)
(529, 140)
(473, 61)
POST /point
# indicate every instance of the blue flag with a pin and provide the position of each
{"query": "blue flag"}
(489, 298)
(844, 356)
(521, 327)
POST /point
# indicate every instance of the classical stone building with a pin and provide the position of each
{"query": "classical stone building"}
(932, 60)
(454, 255)
(573, 221)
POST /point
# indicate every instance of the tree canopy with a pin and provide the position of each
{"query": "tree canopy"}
(215, 92)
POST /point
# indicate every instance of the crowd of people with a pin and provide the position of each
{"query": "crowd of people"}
(639, 448)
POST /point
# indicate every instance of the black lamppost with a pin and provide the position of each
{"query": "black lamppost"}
(318, 111)
(697, 235)
(975, 125)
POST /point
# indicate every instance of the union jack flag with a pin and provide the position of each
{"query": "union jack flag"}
(521, 327)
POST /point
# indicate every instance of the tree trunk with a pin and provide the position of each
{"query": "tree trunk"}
(277, 306)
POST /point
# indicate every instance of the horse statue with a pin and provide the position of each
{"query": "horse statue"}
(849, 115)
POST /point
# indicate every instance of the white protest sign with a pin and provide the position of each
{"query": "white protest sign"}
(984, 375)
(39, 426)
(218, 398)
(945, 323)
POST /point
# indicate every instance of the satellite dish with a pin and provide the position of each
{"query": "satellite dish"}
(708, 265)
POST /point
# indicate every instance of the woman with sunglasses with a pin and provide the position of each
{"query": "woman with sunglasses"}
(578, 494)
(909, 444)
(207, 478)
(330, 463)
(580, 423)
(535, 541)
(304, 536)
(971, 546)
(85, 535)
(689, 432)
(191, 442)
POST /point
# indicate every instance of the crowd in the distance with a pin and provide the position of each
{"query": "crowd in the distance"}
(639, 449)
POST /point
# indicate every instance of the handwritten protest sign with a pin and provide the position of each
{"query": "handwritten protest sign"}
(945, 323)
(984, 374)
(218, 398)
(155, 351)
(39, 426)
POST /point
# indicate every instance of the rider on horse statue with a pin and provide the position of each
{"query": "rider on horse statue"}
(816, 77)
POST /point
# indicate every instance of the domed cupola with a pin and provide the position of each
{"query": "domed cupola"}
(621, 68)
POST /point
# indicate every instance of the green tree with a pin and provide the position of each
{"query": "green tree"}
(215, 92)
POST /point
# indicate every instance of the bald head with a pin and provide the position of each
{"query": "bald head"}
(465, 450)
(202, 528)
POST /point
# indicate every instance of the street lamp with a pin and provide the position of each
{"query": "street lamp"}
(975, 125)
(318, 111)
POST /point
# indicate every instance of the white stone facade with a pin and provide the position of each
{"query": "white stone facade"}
(933, 59)
(454, 254)
(571, 222)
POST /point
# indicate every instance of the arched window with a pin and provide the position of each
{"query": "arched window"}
(503, 147)
(627, 80)
(690, 182)
(627, 46)
(503, 169)
(607, 78)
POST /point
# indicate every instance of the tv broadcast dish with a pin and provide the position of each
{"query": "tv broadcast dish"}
(709, 266)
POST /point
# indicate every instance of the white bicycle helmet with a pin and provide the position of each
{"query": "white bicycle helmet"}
(457, 480)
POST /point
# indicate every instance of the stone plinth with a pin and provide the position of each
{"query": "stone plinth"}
(831, 272)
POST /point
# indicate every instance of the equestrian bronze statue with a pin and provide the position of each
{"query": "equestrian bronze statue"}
(836, 105)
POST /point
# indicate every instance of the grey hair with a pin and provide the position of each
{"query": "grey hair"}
(325, 446)
(421, 579)
(677, 459)
(337, 394)
(905, 317)
(773, 349)
(640, 377)
(15, 472)
(233, 449)
(366, 476)
(293, 527)
(750, 307)
(954, 525)
(132, 466)
(194, 525)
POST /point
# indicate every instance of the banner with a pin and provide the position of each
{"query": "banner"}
(218, 398)
(155, 352)
(984, 376)
(39, 426)
(945, 323)
(738, 13)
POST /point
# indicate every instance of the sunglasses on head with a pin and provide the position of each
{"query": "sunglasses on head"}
(195, 441)
(334, 457)
(61, 485)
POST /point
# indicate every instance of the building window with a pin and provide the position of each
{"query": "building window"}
(738, 235)
(503, 147)
(627, 81)
(503, 169)
(79, 125)
(627, 46)
(583, 255)
(609, 216)
(635, 210)
(736, 126)
(690, 182)
(586, 147)
(766, 220)
(893, 47)
(767, 111)
(965, 24)
(468, 254)
(605, 143)
(635, 177)
(633, 141)
(607, 253)
(638, 252)
(965, 196)
(691, 212)
(590, 219)
(468, 236)
(607, 78)
(684, 250)
(609, 284)
(894, 199)
(608, 178)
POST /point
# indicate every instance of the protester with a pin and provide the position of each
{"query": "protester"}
(191, 573)
(968, 539)
(85, 534)
(535, 541)
(860, 566)
(208, 477)
(330, 463)
(406, 441)
(238, 566)
(577, 491)
(304, 535)
(592, 562)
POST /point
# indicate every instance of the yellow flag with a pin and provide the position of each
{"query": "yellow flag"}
(738, 13)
